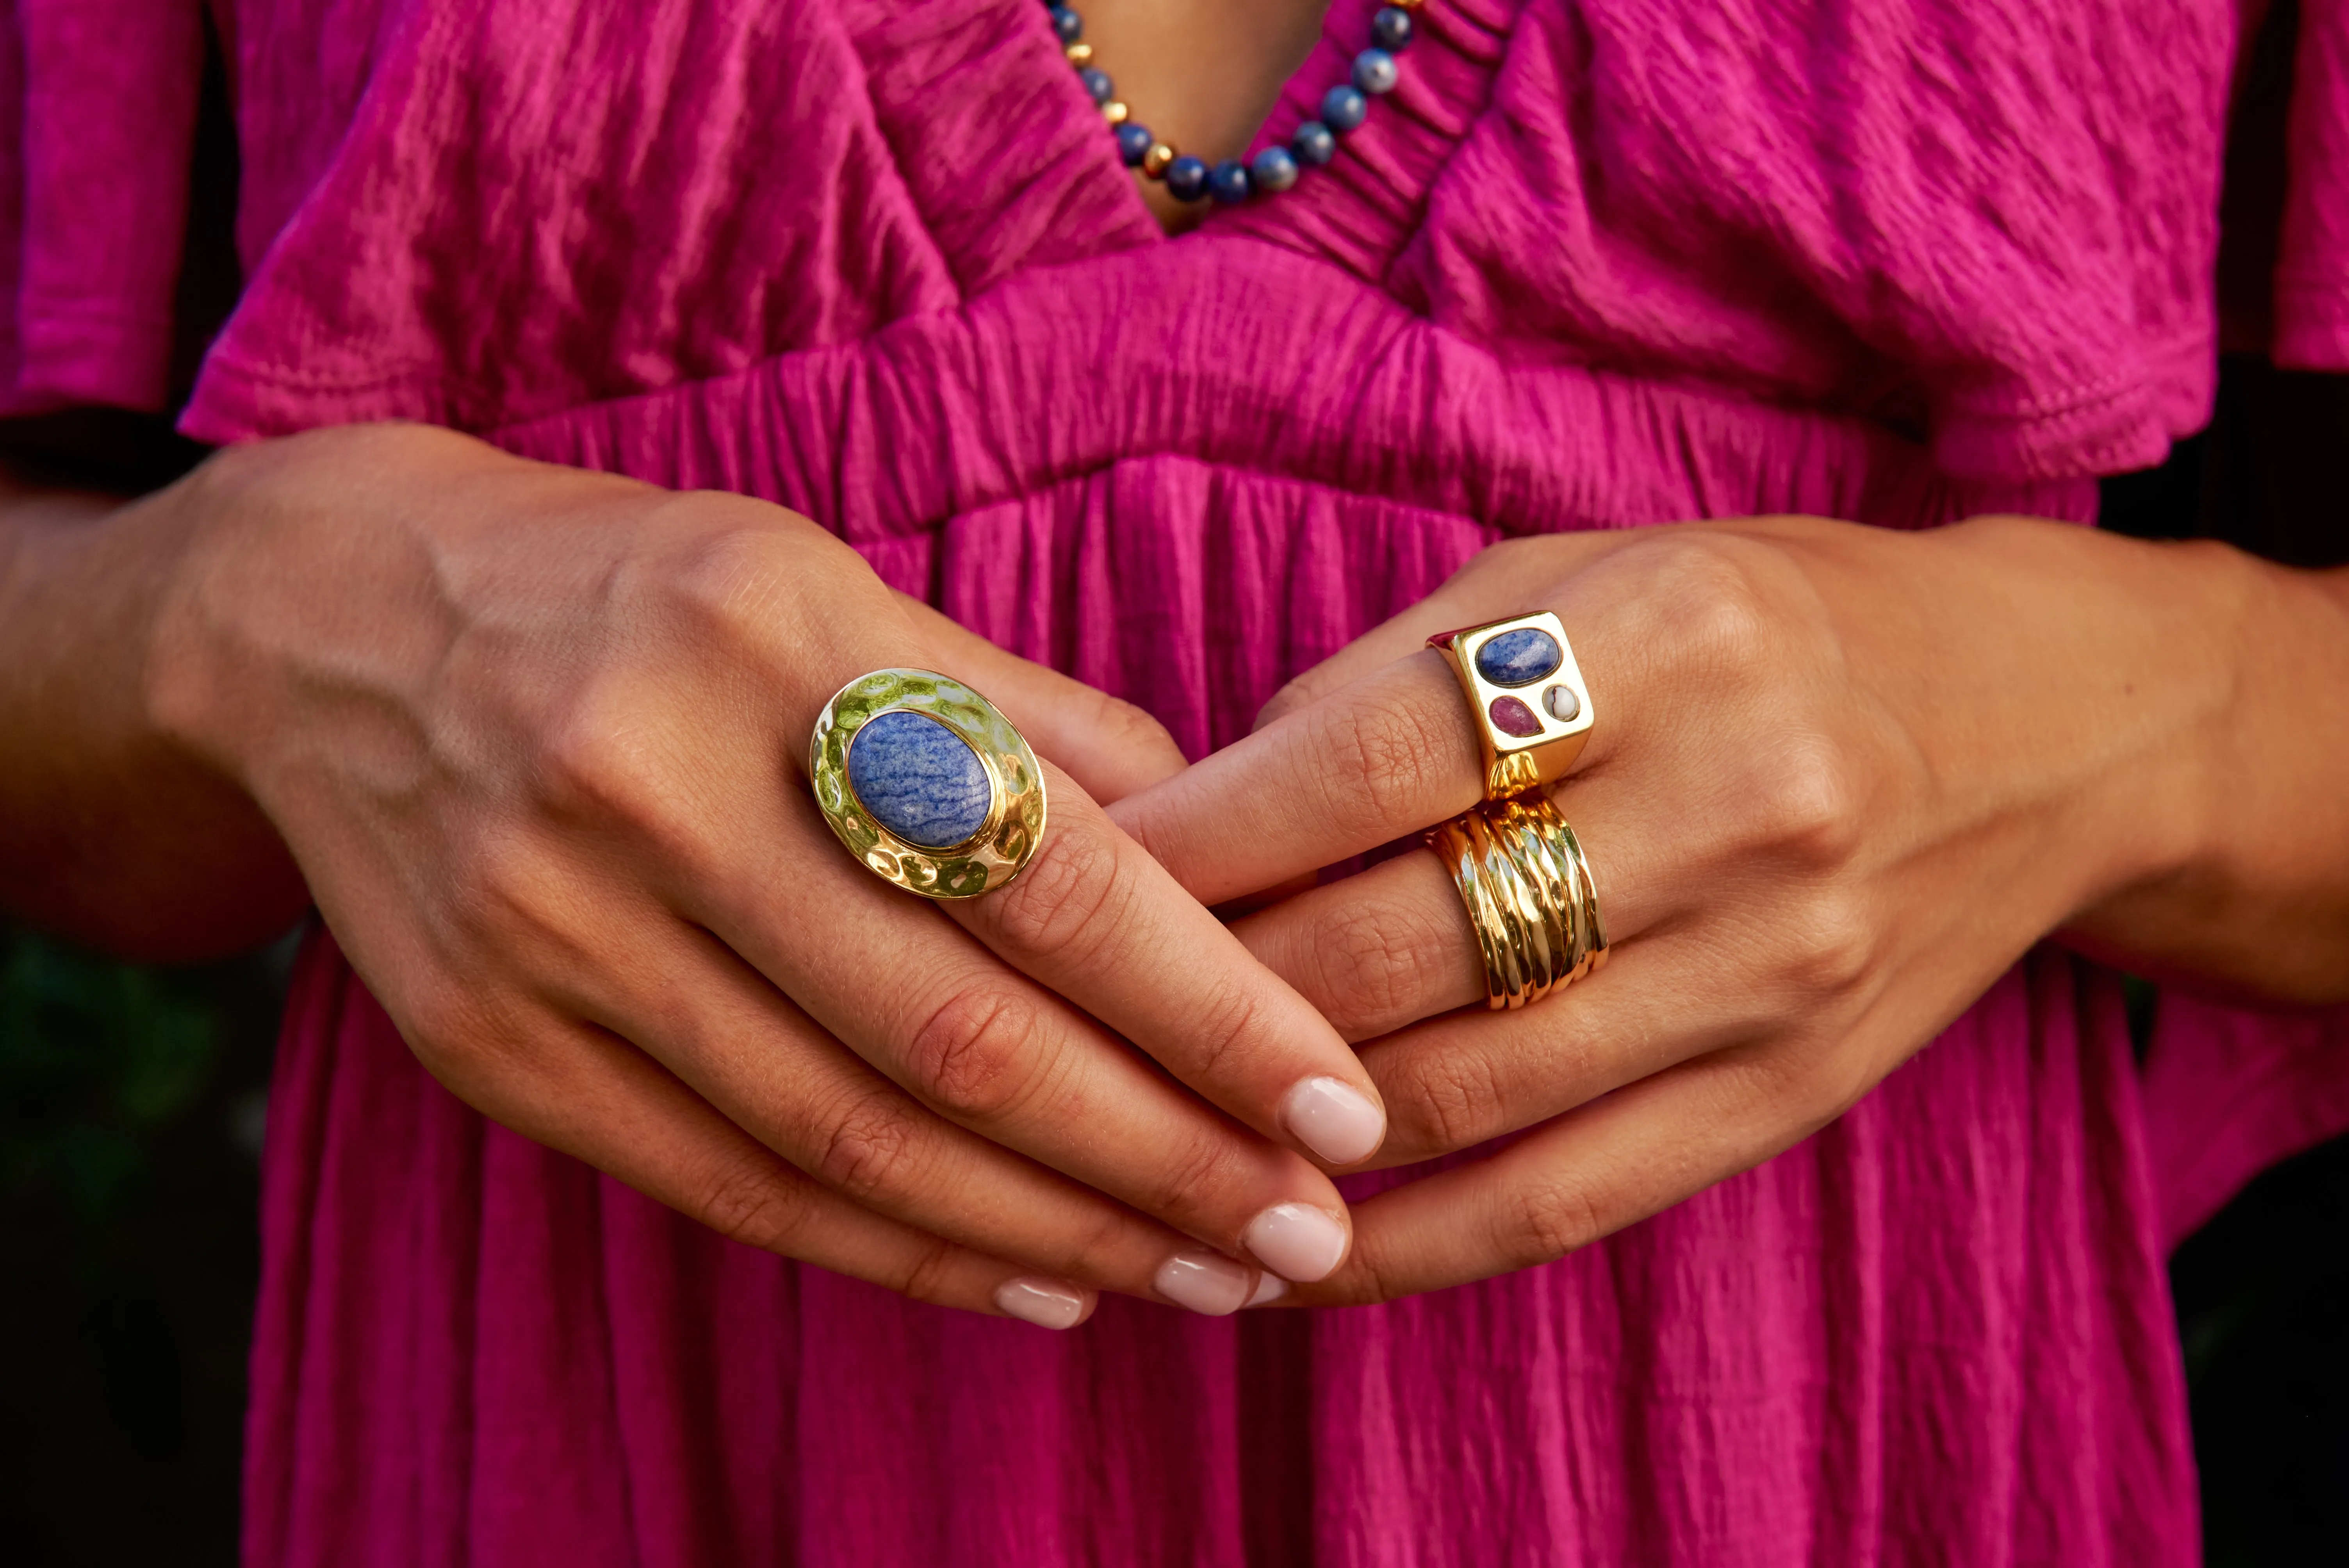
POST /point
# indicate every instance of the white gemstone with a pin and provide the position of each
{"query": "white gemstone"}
(1563, 705)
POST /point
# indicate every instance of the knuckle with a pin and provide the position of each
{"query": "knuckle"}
(507, 897)
(1450, 1098)
(445, 1023)
(1186, 1189)
(973, 1054)
(1808, 801)
(1543, 1220)
(1708, 603)
(1377, 963)
(1066, 902)
(1827, 943)
(1369, 1277)
(748, 1200)
(1225, 1023)
(869, 1148)
(729, 580)
(598, 762)
(930, 1274)
(1379, 764)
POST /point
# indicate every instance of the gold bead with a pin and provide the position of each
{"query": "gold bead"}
(1078, 54)
(1154, 161)
(1115, 112)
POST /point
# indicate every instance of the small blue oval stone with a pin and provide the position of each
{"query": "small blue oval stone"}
(1375, 71)
(1313, 143)
(1273, 170)
(1133, 142)
(1518, 658)
(1343, 106)
(1391, 30)
(1067, 25)
(1097, 83)
(920, 780)
(1228, 181)
(1186, 179)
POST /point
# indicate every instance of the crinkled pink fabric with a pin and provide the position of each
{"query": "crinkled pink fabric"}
(1594, 264)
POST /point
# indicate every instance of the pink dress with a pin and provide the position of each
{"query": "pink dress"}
(1595, 263)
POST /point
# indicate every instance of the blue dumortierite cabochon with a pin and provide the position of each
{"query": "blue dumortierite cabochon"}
(918, 778)
(1518, 658)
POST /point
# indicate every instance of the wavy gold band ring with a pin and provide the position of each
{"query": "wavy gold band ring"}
(1529, 895)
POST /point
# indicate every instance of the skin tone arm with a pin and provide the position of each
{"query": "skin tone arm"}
(533, 740)
(1842, 779)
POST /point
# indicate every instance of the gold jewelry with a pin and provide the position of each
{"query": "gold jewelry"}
(1521, 872)
(1532, 710)
(927, 783)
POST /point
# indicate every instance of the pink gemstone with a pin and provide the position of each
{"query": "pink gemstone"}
(1512, 716)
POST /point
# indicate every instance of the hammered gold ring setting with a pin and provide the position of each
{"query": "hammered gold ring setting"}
(927, 783)
(1520, 870)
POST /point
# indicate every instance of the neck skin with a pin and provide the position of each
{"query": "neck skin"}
(1202, 74)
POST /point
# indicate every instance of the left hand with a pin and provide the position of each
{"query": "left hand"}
(1841, 778)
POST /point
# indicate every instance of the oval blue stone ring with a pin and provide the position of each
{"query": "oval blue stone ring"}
(1531, 710)
(927, 783)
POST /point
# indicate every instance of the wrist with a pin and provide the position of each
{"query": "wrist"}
(2237, 874)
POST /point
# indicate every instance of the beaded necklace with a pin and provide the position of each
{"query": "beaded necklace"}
(1276, 168)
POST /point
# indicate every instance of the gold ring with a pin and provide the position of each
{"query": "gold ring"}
(1532, 710)
(927, 783)
(1530, 897)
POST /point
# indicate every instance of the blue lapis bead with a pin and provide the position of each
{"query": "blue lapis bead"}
(1133, 142)
(919, 780)
(1228, 182)
(1518, 658)
(1313, 143)
(1272, 169)
(1342, 108)
(1391, 30)
(1375, 71)
(1067, 25)
(1186, 179)
(1097, 83)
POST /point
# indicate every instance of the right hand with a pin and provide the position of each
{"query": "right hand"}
(536, 737)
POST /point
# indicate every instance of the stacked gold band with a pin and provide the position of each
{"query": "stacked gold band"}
(1529, 895)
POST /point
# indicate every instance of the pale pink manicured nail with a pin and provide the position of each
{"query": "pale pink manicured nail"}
(1333, 1119)
(1269, 1287)
(1206, 1283)
(1042, 1302)
(1296, 1241)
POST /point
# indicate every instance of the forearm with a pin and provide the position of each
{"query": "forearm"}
(108, 831)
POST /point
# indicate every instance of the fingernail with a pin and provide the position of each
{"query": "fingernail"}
(1333, 1119)
(1041, 1301)
(1206, 1283)
(1296, 1241)
(1269, 1288)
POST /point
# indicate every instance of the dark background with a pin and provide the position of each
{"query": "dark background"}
(133, 1100)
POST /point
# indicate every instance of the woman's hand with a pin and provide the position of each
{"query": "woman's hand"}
(1840, 780)
(536, 739)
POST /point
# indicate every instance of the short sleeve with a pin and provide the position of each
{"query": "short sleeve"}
(97, 113)
(2312, 280)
